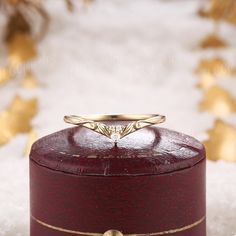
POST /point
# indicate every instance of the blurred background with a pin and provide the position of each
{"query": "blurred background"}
(173, 57)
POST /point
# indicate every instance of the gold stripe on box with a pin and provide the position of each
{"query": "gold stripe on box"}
(118, 233)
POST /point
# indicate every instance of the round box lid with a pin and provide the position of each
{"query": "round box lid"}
(149, 151)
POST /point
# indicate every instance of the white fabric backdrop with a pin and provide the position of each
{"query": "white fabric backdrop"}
(120, 56)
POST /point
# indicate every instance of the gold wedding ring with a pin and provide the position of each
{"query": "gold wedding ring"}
(115, 132)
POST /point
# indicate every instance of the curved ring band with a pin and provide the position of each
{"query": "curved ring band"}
(115, 132)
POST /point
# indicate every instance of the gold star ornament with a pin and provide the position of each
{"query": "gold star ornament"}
(214, 66)
(206, 81)
(218, 101)
(29, 80)
(5, 75)
(221, 144)
(22, 49)
(212, 41)
(16, 118)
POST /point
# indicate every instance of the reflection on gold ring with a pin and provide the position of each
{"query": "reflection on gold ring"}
(115, 132)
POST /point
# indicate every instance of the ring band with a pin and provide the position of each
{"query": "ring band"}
(115, 132)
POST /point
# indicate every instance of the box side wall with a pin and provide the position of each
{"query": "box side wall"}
(63, 204)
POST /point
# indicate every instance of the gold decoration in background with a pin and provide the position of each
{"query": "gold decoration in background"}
(14, 2)
(29, 80)
(17, 24)
(206, 81)
(22, 49)
(218, 101)
(5, 75)
(27, 22)
(32, 137)
(16, 118)
(215, 66)
(221, 144)
(218, 9)
(69, 5)
(25, 16)
(213, 41)
(231, 18)
(20, 39)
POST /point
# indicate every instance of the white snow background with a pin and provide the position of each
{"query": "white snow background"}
(120, 56)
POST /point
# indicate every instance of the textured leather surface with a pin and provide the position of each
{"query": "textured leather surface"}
(131, 204)
(153, 181)
(149, 151)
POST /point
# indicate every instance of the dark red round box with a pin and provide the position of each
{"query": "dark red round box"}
(151, 183)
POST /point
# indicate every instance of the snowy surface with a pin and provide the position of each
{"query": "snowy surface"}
(120, 56)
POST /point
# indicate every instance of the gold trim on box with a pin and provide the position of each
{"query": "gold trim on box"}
(118, 233)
